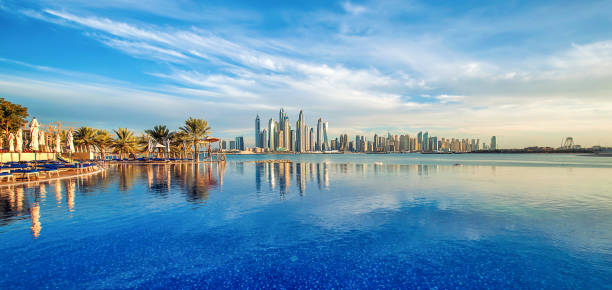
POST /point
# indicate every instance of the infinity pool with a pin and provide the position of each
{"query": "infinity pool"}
(318, 221)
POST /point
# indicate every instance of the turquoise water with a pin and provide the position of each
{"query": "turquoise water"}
(321, 221)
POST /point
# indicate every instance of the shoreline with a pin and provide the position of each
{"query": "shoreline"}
(505, 151)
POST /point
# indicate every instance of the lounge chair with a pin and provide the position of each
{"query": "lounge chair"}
(7, 175)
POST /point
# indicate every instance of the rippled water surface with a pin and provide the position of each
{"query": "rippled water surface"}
(317, 221)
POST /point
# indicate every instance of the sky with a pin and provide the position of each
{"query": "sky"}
(529, 72)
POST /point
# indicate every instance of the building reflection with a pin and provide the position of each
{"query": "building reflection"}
(194, 181)
(280, 175)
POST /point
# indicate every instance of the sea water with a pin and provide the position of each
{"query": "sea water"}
(317, 221)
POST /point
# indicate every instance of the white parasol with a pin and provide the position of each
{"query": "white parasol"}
(11, 142)
(19, 141)
(42, 141)
(58, 143)
(34, 135)
(150, 145)
(70, 142)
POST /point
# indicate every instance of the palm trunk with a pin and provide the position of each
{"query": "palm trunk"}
(195, 149)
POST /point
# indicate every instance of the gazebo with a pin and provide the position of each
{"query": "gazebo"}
(210, 156)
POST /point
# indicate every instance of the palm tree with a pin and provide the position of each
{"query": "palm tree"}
(103, 141)
(124, 142)
(159, 133)
(179, 140)
(196, 129)
(85, 136)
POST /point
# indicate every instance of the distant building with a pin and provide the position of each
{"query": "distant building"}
(271, 134)
(493, 144)
(264, 139)
(319, 135)
(258, 142)
(240, 143)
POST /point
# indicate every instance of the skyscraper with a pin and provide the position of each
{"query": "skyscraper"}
(258, 142)
(271, 134)
(240, 143)
(493, 145)
(286, 132)
(419, 141)
(312, 140)
(425, 141)
(318, 144)
(325, 138)
(300, 133)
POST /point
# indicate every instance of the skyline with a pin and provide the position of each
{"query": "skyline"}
(522, 71)
(280, 136)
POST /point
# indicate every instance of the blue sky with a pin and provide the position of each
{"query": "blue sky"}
(530, 72)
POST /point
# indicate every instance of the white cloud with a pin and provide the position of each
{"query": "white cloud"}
(360, 80)
(353, 8)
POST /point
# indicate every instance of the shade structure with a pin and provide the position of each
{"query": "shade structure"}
(19, 141)
(58, 143)
(34, 134)
(210, 140)
(11, 142)
(70, 142)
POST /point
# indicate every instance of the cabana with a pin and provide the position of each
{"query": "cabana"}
(211, 156)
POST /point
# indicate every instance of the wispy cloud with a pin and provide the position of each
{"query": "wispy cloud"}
(362, 66)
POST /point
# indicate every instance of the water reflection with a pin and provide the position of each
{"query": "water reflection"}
(28, 201)
(281, 174)
(195, 182)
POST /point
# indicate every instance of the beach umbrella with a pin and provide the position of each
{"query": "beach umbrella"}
(11, 141)
(34, 134)
(70, 142)
(58, 143)
(42, 141)
(19, 141)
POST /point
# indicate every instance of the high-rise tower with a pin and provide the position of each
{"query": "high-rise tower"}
(301, 133)
(319, 135)
(325, 144)
(271, 134)
(258, 142)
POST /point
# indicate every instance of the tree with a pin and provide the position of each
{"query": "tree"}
(159, 133)
(85, 136)
(179, 140)
(124, 142)
(196, 129)
(12, 116)
(103, 141)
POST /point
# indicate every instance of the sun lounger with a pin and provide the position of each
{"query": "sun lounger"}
(7, 175)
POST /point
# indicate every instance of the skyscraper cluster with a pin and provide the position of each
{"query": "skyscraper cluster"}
(421, 142)
(280, 136)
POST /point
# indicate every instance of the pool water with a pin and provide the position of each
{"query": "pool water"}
(319, 221)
